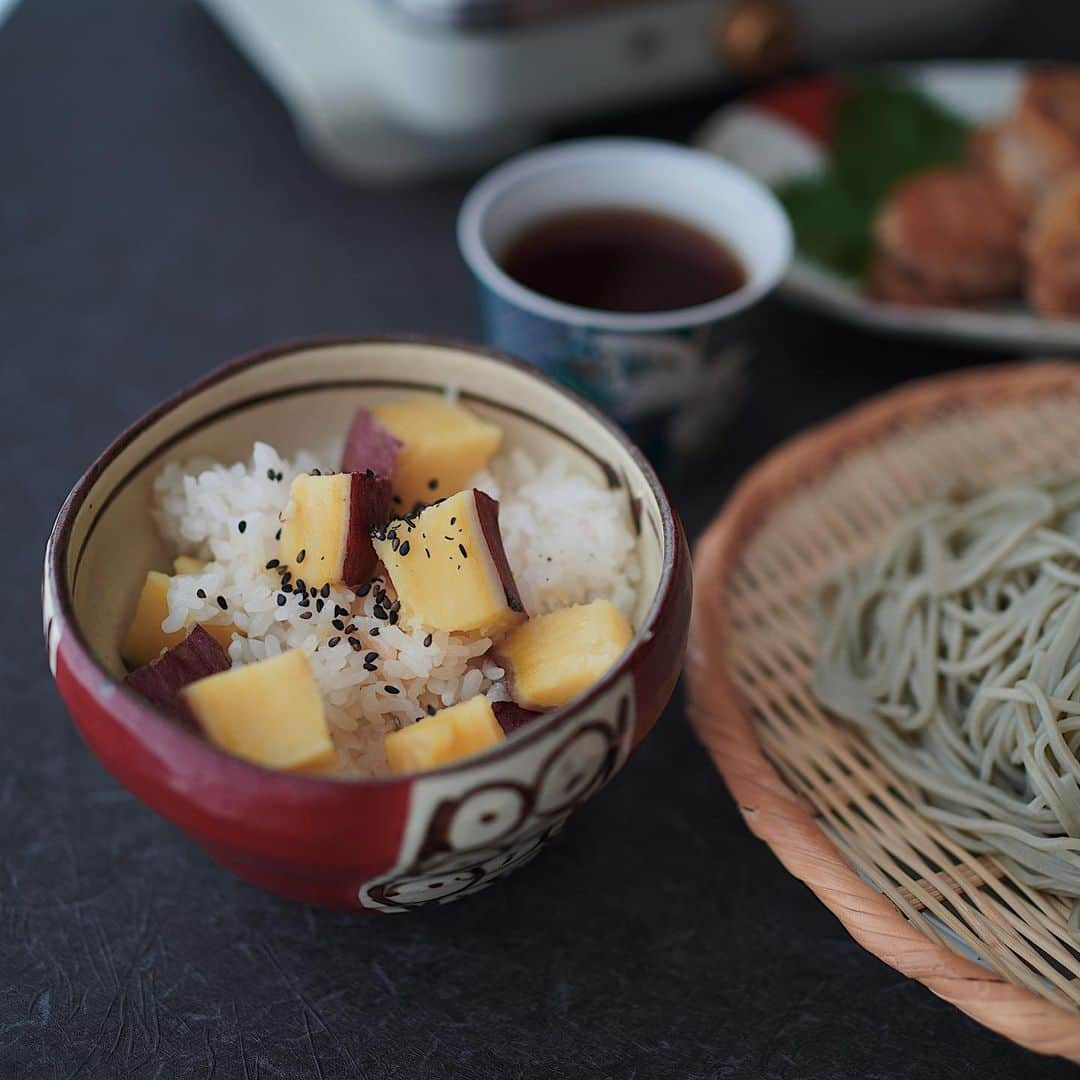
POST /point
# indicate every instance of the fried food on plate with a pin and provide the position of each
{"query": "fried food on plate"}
(1030, 150)
(946, 236)
(1053, 251)
(899, 284)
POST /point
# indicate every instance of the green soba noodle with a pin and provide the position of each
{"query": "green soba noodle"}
(956, 651)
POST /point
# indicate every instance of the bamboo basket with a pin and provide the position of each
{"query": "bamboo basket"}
(837, 817)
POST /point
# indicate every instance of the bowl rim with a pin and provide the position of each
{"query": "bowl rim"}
(139, 713)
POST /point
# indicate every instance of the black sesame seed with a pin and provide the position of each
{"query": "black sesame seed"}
(335, 640)
(223, 603)
(200, 593)
(351, 628)
(364, 590)
(301, 555)
(337, 624)
(313, 592)
(241, 526)
(286, 587)
(373, 632)
(277, 535)
(305, 614)
(395, 606)
(404, 549)
(340, 611)
(269, 474)
(369, 667)
(391, 689)
(304, 602)
(427, 553)
(355, 644)
(464, 553)
(319, 605)
(431, 710)
(280, 476)
(371, 657)
(379, 612)
(281, 598)
(273, 564)
(394, 542)
(427, 642)
(316, 472)
(324, 592)
(300, 585)
(393, 618)
(450, 538)
(286, 577)
(433, 483)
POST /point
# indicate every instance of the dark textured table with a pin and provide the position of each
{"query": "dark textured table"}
(156, 218)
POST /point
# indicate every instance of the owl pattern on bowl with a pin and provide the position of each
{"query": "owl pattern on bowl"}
(468, 829)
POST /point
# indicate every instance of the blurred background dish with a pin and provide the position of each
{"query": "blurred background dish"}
(384, 90)
(930, 199)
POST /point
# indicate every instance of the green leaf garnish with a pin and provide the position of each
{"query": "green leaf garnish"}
(885, 130)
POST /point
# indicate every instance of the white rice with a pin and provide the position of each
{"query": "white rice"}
(567, 539)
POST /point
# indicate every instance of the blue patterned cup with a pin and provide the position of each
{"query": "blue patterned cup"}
(670, 372)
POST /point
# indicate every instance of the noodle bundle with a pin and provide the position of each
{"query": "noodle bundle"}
(956, 651)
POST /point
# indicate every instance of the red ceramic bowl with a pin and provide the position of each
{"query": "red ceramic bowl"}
(384, 844)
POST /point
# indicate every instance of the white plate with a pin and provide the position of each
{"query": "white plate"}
(774, 149)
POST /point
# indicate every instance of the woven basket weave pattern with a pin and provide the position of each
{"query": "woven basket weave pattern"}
(837, 817)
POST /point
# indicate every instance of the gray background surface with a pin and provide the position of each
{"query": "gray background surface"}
(157, 218)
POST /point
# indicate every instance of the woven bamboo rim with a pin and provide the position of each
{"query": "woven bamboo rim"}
(836, 817)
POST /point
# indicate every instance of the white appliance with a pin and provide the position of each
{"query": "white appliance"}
(386, 91)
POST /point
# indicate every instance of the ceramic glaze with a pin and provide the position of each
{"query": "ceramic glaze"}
(389, 843)
(639, 367)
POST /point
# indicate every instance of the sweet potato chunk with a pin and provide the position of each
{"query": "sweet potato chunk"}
(269, 713)
(450, 734)
(145, 639)
(449, 568)
(444, 447)
(326, 526)
(369, 445)
(553, 658)
(161, 680)
(512, 716)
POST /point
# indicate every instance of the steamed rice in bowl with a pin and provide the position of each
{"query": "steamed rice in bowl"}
(567, 538)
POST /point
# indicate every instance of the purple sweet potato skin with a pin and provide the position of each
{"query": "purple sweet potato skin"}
(161, 680)
(369, 446)
(512, 716)
(369, 509)
(487, 510)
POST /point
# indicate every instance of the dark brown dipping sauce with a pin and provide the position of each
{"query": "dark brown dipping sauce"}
(620, 258)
